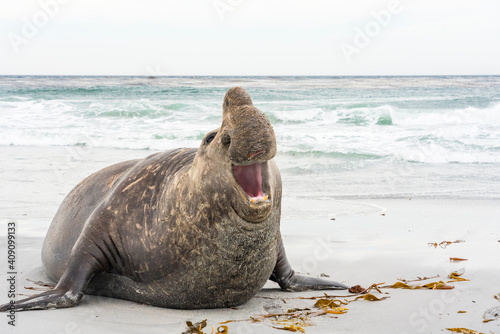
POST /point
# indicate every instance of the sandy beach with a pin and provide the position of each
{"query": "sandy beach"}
(353, 241)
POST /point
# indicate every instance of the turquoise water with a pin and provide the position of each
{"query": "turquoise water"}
(347, 136)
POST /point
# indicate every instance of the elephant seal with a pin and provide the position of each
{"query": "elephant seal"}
(185, 228)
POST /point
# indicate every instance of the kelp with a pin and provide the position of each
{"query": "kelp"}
(294, 320)
(291, 328)
(370, 297)
(491, 314)
(197, 327)
(42, 286)
(437, 285)
(224, 330)
(356, 289)
(440, 285)
(39, 288)
(418, 279)
(433, 286)
(444, 244)
(333, 306)
(455, 276)
(329, 303)
(463, 331)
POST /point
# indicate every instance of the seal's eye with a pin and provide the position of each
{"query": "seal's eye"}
(210, 137)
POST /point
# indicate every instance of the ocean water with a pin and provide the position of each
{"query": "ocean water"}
(338, 137)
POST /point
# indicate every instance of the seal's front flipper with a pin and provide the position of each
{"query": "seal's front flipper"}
(56, 298)
(68, 292)
(289, 280)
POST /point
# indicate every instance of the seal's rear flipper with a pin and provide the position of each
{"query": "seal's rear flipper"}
(289, 280)
(56, 298)
(295, 282)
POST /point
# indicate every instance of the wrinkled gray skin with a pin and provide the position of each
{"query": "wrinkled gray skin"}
(176, 229)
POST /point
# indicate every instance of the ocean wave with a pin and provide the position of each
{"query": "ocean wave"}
(438, 154)
(292, 152)
(360, 115)
(133, 109)
(469, 115)
(294, 115)
(348, 124)
(369, 114)
(355, 114)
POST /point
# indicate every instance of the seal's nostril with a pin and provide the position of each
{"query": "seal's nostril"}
(226, 139)
(255, 154)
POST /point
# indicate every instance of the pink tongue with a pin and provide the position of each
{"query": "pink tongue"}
(250, 179)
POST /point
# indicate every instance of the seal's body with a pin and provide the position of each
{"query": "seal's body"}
(186, 228)
(174, 243)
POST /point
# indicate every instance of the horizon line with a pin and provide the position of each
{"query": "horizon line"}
(248, 76)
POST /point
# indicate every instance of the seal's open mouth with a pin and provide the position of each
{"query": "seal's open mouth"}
(251, 179)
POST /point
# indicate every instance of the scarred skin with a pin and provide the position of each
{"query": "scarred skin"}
(186, 228)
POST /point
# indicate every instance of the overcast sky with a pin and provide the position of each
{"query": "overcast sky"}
(249, 37)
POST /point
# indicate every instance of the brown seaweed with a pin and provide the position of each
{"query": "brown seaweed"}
(197, 327)
(444, 244)
(463, 331)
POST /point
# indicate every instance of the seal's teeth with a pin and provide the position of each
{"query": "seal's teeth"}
(259, 199)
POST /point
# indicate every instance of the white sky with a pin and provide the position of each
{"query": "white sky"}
(252, 37)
